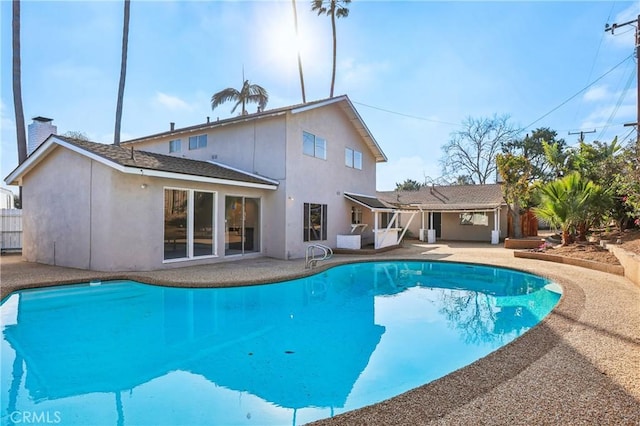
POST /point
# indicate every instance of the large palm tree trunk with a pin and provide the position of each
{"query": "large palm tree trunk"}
(21, 137)
(333, 73)
(295, 23)
(123, 73)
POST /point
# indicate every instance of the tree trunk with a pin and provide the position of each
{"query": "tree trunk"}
(517, 227)
(123, 73)
(295, 22)
(333, 74)
(21, 137)
(582, 231)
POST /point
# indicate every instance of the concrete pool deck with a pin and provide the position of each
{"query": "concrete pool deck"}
(580, 365)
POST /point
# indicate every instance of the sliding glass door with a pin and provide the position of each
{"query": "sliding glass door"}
(242, 225)
(189, 226)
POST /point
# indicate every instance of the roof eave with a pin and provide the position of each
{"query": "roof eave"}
(15, 177)
(196, 178)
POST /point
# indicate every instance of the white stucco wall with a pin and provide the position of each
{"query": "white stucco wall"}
(134, 237)
(272, 147)
(83, 214)
(56, 211)
(252, 146)
(314, 180)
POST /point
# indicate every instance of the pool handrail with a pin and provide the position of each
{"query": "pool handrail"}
(310, 257)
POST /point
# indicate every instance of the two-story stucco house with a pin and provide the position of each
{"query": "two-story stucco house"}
(264, 184)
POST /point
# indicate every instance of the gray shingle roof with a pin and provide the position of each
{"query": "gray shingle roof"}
(165, 163)
(447, 197)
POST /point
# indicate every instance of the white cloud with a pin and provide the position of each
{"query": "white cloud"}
(355, 74)
(597, 93)
(599, 117)
(170, 102)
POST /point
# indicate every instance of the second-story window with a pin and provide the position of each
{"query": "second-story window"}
(197, 142)
(175, 145)
(314, 146)
(353, 158)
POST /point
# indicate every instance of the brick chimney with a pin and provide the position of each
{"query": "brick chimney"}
(39, 130)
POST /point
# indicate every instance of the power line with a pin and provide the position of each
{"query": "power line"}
(406, 115)
(623, 94)
(580, 91)
(595, 58)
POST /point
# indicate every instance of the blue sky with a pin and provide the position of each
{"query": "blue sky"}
(414, 70)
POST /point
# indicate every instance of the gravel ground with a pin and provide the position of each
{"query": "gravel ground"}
(581, 365)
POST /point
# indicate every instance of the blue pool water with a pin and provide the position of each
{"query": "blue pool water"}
(125, 353)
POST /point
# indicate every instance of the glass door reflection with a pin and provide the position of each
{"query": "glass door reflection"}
(242, 225)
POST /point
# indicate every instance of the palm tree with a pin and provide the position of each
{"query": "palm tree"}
(295, 22)
(334, 9)
(567, 202)
(21, 137)
(123, 73)
(250, 93)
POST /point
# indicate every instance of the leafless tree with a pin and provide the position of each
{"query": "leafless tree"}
(472, 150)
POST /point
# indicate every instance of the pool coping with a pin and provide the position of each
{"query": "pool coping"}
(576, 366)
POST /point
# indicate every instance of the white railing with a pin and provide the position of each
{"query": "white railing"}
(10, 229)
(316, 253)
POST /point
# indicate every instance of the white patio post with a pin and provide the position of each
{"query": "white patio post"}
(375, 229)
(495, 234)
(431, 233)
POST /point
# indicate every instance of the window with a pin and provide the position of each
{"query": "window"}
(356, 215)
(474, 219)
(353, 158)
(197, 142)
(175, 145)
(315, 222)
(385, 219)
(314, 146)
(189, 225)
(348, 157)
(357, 160)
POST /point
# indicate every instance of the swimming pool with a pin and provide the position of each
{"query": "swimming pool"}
(288, 353)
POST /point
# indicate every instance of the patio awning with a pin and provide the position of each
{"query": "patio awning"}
(368, 201)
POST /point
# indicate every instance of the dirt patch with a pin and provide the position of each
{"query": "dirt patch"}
(586, 251)
(628, 240)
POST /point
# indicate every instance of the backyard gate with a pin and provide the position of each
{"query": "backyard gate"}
(10, 230)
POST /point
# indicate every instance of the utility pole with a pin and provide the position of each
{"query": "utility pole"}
(612, 28)
(581, 133)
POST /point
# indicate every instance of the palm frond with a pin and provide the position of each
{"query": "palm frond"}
(225, 95)
(249, 93)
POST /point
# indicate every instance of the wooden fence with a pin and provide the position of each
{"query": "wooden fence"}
(10, 230)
